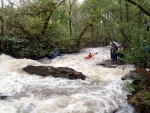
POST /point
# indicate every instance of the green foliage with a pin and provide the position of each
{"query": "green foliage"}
(137, 48)
(130, 87)
(46, 26)
(146, 96)
(21, 47)
(137, 78)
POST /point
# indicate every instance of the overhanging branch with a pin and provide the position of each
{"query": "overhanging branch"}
(140, 7)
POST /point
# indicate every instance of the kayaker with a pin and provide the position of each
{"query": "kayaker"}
(90, 55)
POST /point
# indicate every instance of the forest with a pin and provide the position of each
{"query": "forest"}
(43, 25)
(33, 28)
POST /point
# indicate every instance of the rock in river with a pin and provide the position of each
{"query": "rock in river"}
(64, 72)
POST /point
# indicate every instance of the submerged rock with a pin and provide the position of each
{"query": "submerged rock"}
(132, 74)
(3, 97)
(110, 63)
(63, 72)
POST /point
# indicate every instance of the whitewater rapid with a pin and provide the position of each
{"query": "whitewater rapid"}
(103, 91)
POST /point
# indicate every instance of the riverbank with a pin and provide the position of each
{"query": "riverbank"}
(140, 98)
(140, 88)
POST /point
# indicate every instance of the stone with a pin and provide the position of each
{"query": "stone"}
(63, 72)
(111, 64)
(132, 74)
(3, 97)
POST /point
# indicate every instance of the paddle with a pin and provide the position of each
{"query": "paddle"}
(96, 53)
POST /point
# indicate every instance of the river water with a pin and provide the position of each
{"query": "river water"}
(102, 92)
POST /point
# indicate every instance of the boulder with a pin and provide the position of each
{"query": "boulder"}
(63, 72)
(132, 74)
(3, 97)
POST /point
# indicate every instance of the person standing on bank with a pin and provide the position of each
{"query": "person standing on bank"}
(113, 52)
(120, 52)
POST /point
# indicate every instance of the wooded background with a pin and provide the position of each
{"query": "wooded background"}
(32, 28)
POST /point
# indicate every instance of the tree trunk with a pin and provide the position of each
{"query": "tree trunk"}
(140, 18)
(2, 26)
(46, 23)
(124, 35)
(49, 16)
(92, 34)
(120, 3)
(70, 21)
(81, 34)
(70, 26)
(127, 11)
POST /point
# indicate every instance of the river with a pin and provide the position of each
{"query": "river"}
(103, 91)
